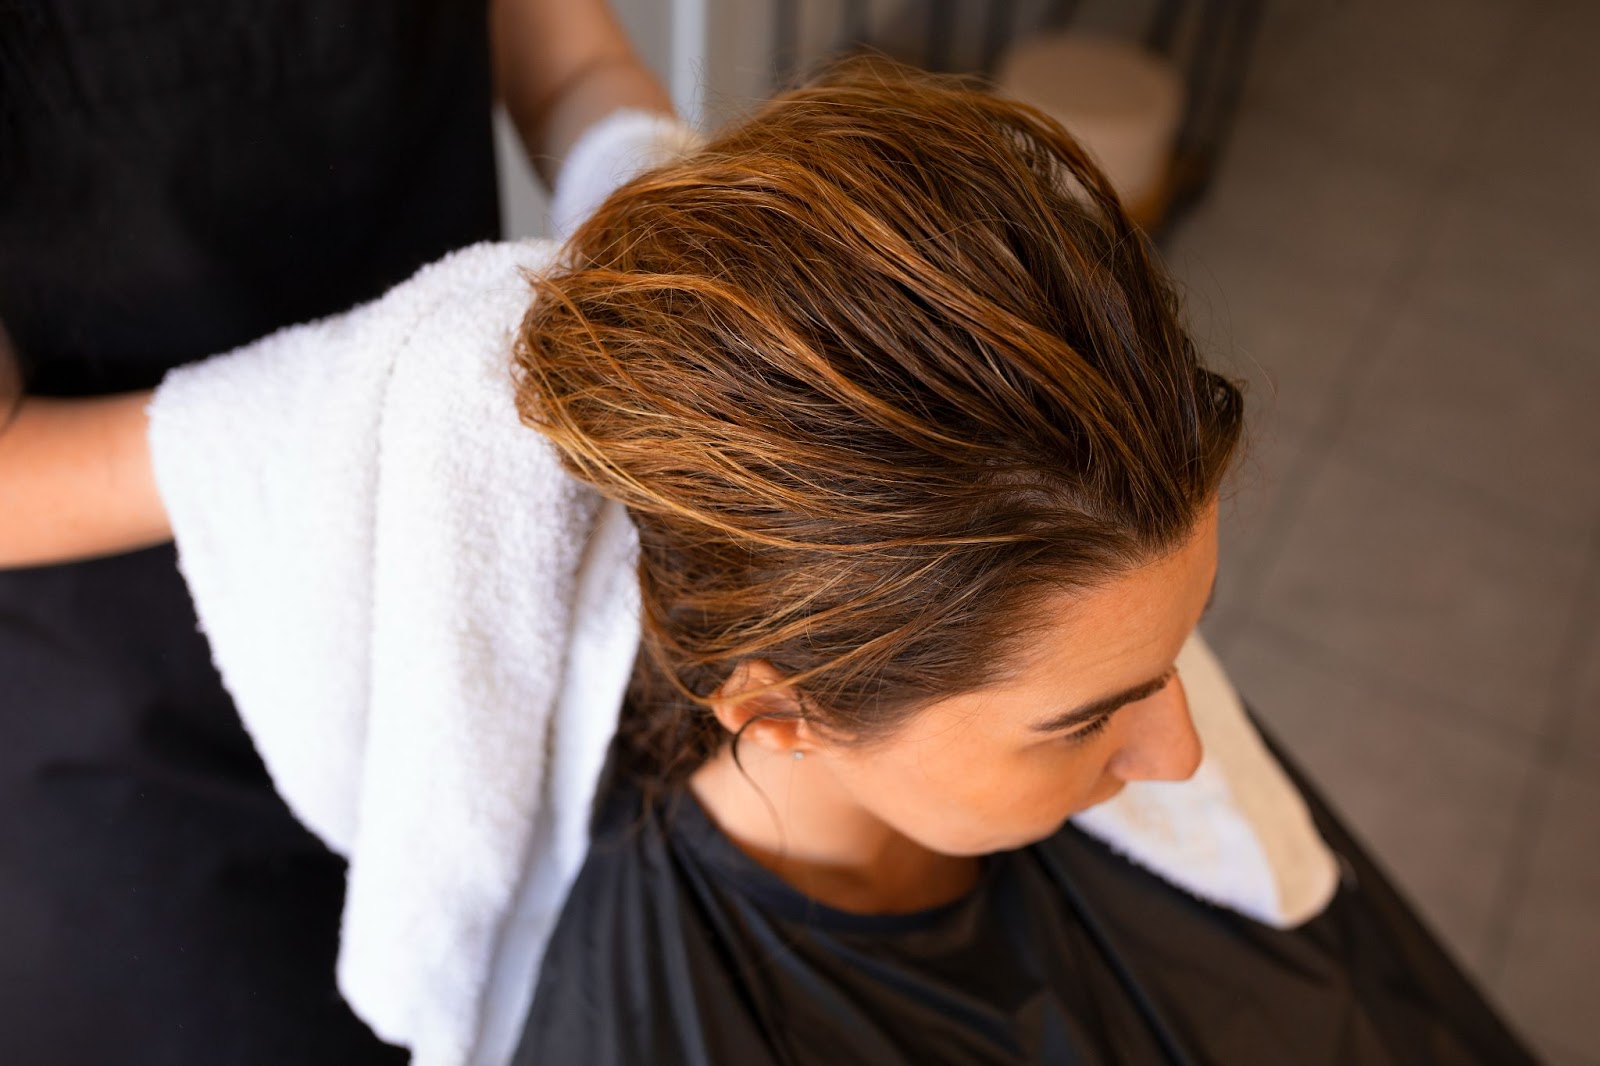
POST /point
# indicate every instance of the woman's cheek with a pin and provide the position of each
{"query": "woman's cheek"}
(992, 805)
(1081, 778)
(1037, 795)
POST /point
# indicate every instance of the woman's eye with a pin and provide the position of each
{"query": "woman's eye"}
(1089, 730)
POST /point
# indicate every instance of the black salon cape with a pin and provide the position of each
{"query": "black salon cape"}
(674, 949)
(178, 177)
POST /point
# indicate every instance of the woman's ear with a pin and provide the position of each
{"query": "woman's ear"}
(770, 719)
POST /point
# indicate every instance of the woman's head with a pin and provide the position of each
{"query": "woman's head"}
(890, 387)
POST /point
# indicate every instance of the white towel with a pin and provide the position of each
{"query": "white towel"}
(427, 628)
(1237, 833)
(384, 561)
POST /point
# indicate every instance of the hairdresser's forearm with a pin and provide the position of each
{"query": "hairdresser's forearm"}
(560, 66)
(614, 82)
(76, 481)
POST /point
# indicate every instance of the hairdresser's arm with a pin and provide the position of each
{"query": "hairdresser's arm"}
(76, 479)
(561, 65)
(75, 475)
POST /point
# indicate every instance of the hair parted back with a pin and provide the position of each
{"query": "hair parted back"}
(875, 372)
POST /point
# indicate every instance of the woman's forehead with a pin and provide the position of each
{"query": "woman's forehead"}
(1090, 643)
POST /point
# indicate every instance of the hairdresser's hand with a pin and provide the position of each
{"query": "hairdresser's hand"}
(560, 66)
(75, 475)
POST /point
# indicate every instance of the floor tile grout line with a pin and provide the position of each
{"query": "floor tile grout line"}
(1531, 805)
(1556, 351)
(1312, 451)
(1488, 505)
(1258, 99)
(1365, 155)
(1422, 702)
(1570, 661)
(1312, 454)
(1533, 801)
(1315, 449)
(1553, 753)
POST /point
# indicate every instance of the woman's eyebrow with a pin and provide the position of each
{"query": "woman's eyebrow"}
(1103, 706)
(1106, 704)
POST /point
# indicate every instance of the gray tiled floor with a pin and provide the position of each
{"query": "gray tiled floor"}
(1401, 256)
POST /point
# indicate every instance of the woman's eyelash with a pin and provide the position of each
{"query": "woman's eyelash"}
(1089, 730)
(1105, 719)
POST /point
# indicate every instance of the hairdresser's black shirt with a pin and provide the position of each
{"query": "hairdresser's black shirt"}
(676, 949)
(178, 177)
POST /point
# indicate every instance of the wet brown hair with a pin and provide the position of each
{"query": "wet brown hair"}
(875, 372)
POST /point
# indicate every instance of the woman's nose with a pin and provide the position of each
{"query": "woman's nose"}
(1160, 743)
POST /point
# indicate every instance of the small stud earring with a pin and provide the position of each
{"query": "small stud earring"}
(799, 755)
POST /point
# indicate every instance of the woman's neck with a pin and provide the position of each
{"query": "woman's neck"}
(820, 840)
